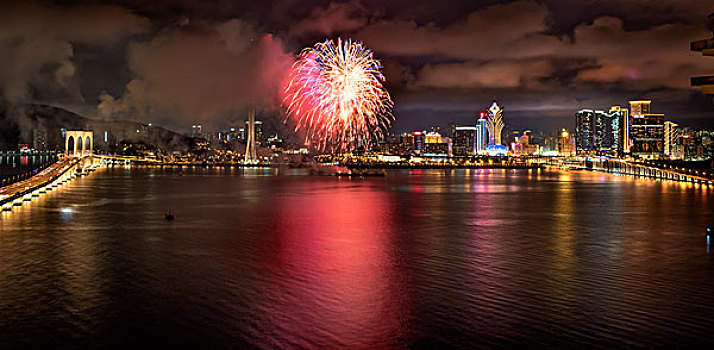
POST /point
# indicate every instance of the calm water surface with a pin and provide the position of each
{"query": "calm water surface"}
(463, 258)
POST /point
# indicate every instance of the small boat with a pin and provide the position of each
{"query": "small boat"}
(169, 216)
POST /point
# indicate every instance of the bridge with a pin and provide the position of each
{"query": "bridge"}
(641, 169)
(54, 176)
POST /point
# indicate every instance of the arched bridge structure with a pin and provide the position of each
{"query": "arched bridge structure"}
(78, 143)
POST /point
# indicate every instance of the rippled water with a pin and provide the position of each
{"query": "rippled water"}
(459, 258)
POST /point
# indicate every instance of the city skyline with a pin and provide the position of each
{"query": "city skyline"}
(356, 174)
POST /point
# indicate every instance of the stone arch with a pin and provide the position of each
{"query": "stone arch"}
(81, 143)
(70, 146)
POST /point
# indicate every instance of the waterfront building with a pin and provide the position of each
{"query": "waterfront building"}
(419, 138)
(433, 137)
(494, 123)
(600, 132)
(481, 133)
(452, 128)
(624, 117)
(39, 139)
(464, 141)
(565, 143)
(496, 150)
(646, 131)
(402, 145)
(671, 138)
(640, 107)
(585, 130)
(437, 149)
(523, 147)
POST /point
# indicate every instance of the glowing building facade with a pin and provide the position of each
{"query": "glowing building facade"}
(646, 130)
(481, 133)
(599, 132)
(494, 123)
(671, 139)
(464, 140)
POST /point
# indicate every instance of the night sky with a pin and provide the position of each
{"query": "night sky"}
(182, 62)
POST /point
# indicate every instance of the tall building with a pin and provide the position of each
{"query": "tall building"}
(464, 141)
(624, 128)
(39, 139)
(585, 130)
(481, 133)
(435, 144)
(565, 143)
(523, 147)
(196, 131)
(494, 123)
(433, 137)
(400, 145)
(452, 128)
(599, 132)
(419, 140)
(646, 131)
(671, 138)
(640, 107)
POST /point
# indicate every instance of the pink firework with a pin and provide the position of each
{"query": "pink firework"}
(334, 94)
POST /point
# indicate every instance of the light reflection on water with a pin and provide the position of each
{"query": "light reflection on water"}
(416, 259)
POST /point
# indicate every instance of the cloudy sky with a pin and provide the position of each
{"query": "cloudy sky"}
(184, 62)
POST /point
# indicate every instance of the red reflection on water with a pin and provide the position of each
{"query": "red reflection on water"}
(335, 266)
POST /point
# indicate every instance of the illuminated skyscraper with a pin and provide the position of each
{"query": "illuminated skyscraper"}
(494, 124)
(464, 141)
(481, 133)
(419, 140)
(671, 138)
(433, 137)
(640, 107)
(600, 132)
(566, 146)
(625, 122)
(646, 130)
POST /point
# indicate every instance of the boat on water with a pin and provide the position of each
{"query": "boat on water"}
(169, 215)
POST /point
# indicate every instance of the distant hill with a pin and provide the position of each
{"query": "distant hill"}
(18, 123)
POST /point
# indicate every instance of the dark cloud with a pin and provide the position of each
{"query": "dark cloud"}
(193, 61)
(37, 44)
(197, 73)
(335, 17)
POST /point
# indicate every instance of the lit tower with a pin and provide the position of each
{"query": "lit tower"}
(482, 133)
(251, 156)
(494, 123)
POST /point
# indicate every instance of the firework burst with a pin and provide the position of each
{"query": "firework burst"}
(334, 94)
